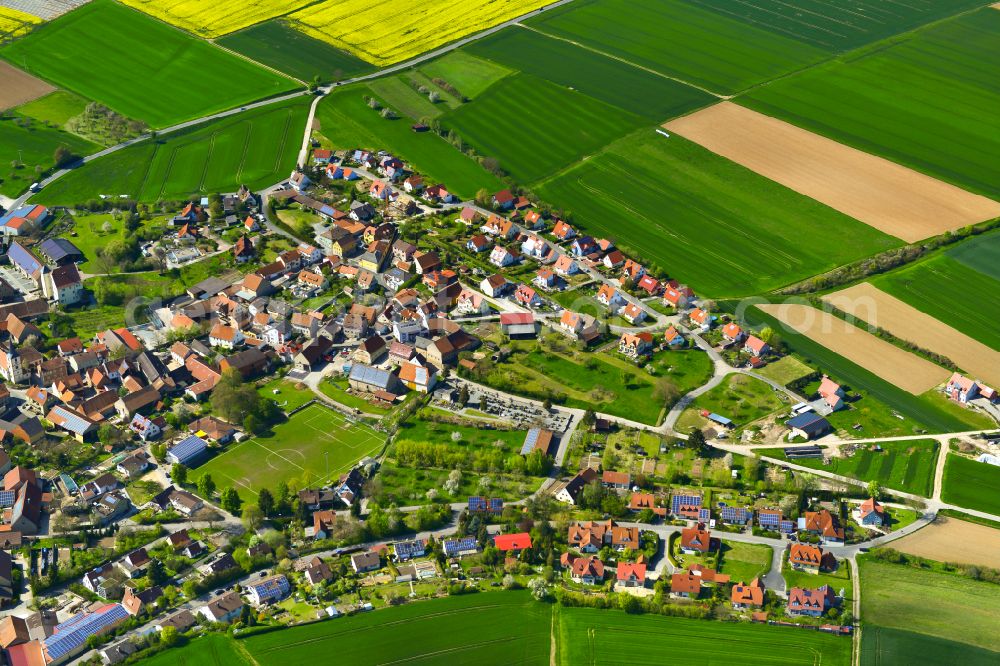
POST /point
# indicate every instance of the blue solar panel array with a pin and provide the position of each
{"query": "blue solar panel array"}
(72, 421)
(770, 520)
(7, 498)
(483, 505)
(704, 514)
(787, 526)
(272, 588)
(735, 514)
(23, 258)
(407, 549)
(496, 505)
(530, 440)
(73, 634)
(456, 546)
(677, 501)
(477, 504)
(187, 449)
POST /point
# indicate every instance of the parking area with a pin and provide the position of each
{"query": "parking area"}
(522, 413)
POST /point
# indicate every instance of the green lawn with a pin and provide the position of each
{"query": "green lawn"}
(95, 230)
(837, 580)
(314, 446)
(257, 148)
(944, 605)
(907, 466)
(785, 370)
(604, 382)
(536, 128)
(288, 50)
(929, 412)
(627, 87)
(27, 144)
(348, 122)
(881, 646)
(745, 561)
(470, 75)
(715, 225)
(740, 398)
(288, 396)
(207, 650)
(971, 484)
(591, 636)
(951, 292)
(927, 102)
(500, 627)
(140, 67)
(336, 389)
(682, 39)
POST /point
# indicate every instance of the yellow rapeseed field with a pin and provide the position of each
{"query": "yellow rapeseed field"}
(13, 23)
(387, 32)
(214, 18)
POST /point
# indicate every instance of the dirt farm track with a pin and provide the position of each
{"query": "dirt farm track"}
(897, 366)
(980, 544)
(18, 87)
(882, 194)
(871, 304)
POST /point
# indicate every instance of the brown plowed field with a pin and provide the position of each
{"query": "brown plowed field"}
(870, 304)
(17, 87)
(897, 366)
(882, 194)
(951, 540)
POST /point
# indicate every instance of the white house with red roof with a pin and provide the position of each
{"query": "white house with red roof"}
(563, 231)
(438, 193)
(756, 346)
(633, 314)
(610, 297)
(503, 200)
(673, 337)
(631, 574)
(677, 297)
(732, 332)
(565, 265)
(502, 257)
(832, 392)
(649, 284)
(701, 318)
(871, 514)
(962, 389)
(635, 345)
(527, 296)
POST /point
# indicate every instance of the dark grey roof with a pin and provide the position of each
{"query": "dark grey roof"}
(58, 249)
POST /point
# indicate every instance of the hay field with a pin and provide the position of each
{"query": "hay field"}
(217, 18)
(389, 32)
(874, 306)
(927, 101)
(897, 366)
(880, 193)
(17, 87)
(980, 545)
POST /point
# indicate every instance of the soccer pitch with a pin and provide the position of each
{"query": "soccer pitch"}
(317, 444)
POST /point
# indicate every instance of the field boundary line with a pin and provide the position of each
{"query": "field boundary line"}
(284, 139)
(624, 61)
(208, 160)
(246, 148)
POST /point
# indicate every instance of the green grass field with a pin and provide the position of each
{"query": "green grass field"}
(347, 122)
(711, 223)
(140, 67)
(470, 75)
(590, 636)
(745, 561)
(931, 411)
(907, 466)
(94, 231)
(740, 398)
(981, 253)
(56, 107)
(603, 382)
(316, 442)
(881, 646)
(951, 292)
(397, 93)
(487, 628)
(275, 44)
(971, 484)
(927, 102)
(838, 26)
(681, 39)
(627, 87)
(535, 128)
(33, 144)
(207, 650)
(785, 370)
(258, 148)
(948, 606)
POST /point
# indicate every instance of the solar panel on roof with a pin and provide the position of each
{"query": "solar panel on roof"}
(477, 504)
(677, 501)
(7, 498)
(530, 440)
(73, 633)
(71, 420)
(369, 375)
(188, 448)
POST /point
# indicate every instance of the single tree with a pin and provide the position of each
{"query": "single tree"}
(265, 502)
